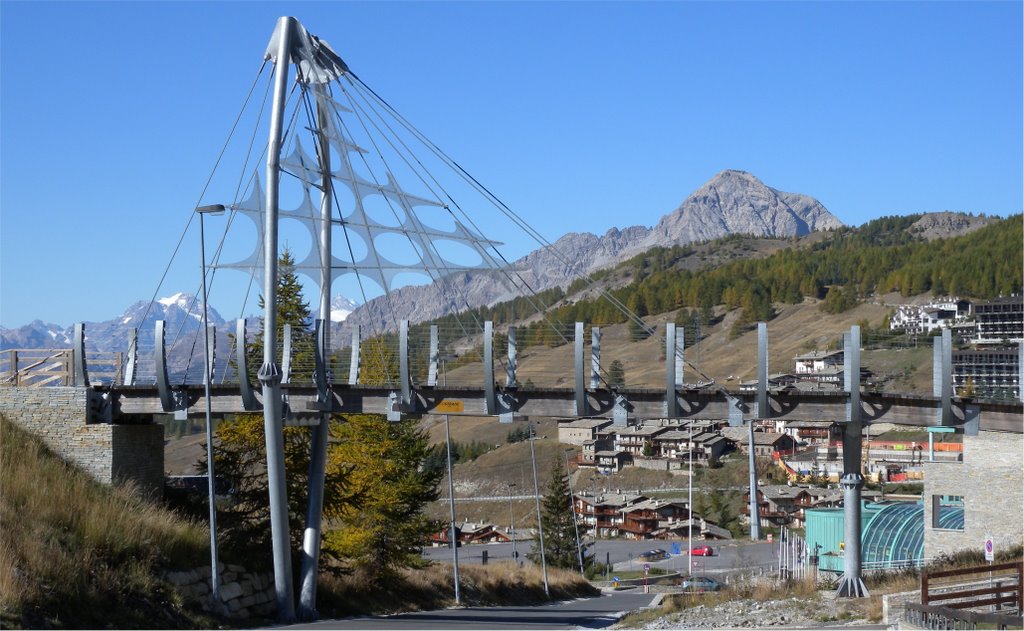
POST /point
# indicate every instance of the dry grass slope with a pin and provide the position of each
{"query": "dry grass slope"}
(76, 554)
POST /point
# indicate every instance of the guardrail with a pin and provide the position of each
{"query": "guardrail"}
(945, 605)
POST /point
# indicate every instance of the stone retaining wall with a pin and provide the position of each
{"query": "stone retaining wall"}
(244, 594)
(107, 452)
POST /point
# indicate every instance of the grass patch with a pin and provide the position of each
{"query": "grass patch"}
(432, 587)
(75, 553)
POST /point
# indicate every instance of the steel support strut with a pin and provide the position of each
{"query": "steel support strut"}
(318, 449)
(852, 585)
(270, 373)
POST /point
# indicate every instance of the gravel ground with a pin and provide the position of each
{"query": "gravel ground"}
(793, 613)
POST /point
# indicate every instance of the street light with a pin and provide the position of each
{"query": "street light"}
(451, 484)
(215, 209)
(512, 524)
(689, 502)
(572, 507)
(540, 521)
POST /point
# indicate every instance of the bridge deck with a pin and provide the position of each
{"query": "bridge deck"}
(921, 411)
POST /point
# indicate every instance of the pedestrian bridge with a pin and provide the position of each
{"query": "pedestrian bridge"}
(119, 398)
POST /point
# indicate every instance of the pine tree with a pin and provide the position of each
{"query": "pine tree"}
(292, 309)
(559, 527)
(616, 375)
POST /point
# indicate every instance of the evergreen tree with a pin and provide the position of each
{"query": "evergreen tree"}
(293, 310)
(559, 527)
(616, 375)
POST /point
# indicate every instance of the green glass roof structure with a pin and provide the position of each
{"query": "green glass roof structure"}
(891, 534)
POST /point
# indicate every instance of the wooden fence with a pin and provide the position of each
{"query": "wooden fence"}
(38, 367)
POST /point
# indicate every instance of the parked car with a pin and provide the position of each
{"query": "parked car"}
(654, 555)
(700, 584)
(703, 551)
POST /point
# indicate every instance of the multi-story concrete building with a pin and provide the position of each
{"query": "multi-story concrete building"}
(1000, 321)
(988, 373)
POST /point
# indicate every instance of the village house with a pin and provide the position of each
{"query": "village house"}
(813, 432)
(612, 460)
(605, 441)
(601, 514)
(643, 519)
(818, 361)
(633, 440)
(766, 444)
(780, 505)
(577, 432)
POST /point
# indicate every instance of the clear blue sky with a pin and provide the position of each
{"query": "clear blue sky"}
(581, 116)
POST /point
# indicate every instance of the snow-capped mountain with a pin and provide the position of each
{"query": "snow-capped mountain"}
(341, 307)
(182, 313)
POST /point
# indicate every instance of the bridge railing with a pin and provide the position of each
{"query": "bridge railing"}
(35, 367)
(39, 367)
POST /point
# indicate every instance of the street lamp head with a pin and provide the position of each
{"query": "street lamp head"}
(212, 209)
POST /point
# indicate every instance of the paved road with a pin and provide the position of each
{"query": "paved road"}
(588, 613)
(729, 555)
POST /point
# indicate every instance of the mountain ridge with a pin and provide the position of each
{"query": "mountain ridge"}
(731, 202)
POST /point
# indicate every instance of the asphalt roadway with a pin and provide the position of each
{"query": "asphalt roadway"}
(586, 613)
(729, 557)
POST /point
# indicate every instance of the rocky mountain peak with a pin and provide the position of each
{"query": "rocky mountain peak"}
(737, 202)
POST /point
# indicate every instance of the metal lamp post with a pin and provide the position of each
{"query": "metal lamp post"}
(451, 484)
(572, 507)
(540, 521)
(214, 209)
(512, 524)
(689, 504)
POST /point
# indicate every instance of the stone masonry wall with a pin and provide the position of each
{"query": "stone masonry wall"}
(990, 480)
(244, 594)
(109, 453)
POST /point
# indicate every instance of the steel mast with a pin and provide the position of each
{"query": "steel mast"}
(270, 373)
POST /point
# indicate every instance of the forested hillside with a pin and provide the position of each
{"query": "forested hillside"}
(849, 264)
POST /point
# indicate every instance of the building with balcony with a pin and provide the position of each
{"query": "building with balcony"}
(988, 373)
(1000, 321)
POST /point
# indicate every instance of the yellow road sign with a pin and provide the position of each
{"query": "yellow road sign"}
(450, 406)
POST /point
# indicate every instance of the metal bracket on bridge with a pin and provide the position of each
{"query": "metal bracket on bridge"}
(736, 409)
(972, 420)
(325, 401)
(620, 411)
(211, 353)
(763, 409)
(510, 368)
(595, 357)
(133, 358)
(403, 363)
(506, 407)
(434, 355)
(673, 371)
(490, 400)
(163, 384)
(582, 409)
(81, 375)
(942, 376)
(353, 366)
(394, 412)
(286, 354)
(249, 402)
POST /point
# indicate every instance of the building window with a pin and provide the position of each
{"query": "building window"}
(941, 506)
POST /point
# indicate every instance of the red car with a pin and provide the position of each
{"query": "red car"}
(703, 551)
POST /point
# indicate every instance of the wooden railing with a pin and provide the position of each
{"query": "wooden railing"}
(33, 368)
(1006, 591)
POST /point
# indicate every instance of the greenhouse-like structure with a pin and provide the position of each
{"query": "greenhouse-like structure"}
(892, 534)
